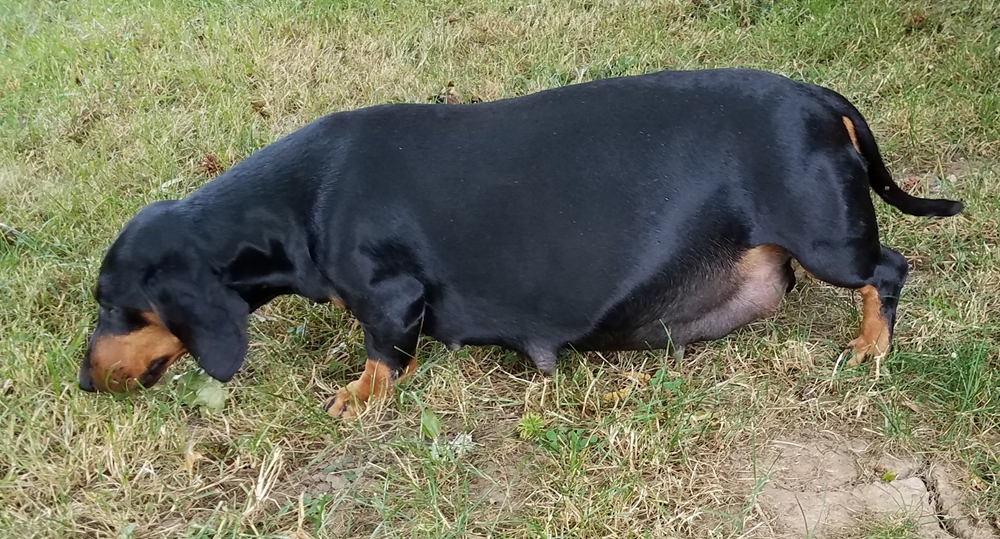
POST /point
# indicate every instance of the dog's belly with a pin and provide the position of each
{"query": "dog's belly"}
(657, 315)
(749, 289)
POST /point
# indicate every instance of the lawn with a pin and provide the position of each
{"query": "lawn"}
(108, 105)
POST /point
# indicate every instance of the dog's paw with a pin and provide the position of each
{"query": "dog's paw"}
(376, 381)
(863, 348)
(346, 404)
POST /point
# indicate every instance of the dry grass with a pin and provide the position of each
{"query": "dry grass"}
(108, 106)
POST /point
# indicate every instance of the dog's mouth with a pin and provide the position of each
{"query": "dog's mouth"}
(155, 371)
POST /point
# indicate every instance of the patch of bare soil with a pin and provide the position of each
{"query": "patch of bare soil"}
(823, 486)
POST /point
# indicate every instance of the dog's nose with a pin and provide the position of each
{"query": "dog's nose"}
(84, 380)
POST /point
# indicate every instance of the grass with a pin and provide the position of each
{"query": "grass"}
(108, 105)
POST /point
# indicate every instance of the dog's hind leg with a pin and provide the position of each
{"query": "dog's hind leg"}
(880, 297)
(833, 233)
(879, 279)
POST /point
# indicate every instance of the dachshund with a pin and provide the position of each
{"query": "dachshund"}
(636, 213)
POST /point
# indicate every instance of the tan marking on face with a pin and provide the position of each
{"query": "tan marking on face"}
(337, 301)
(376, 381)
(874, 337)
(117, 361)
(851, 133)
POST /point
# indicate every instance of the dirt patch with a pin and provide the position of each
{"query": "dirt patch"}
(822, 486)
(342, 480)
(945, 482)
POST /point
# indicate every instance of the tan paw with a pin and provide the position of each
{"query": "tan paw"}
(874, 338)
(345, 404)
(376, 381)
(869, 347)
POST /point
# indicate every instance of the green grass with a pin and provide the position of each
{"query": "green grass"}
(891, 530)
(108, 105)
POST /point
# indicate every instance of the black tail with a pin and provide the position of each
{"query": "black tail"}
(881, 180)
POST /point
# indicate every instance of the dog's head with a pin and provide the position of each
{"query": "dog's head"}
(160, 299)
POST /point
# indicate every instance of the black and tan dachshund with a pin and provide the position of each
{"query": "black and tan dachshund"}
(643, 212)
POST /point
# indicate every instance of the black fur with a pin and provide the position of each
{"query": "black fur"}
(606, 215)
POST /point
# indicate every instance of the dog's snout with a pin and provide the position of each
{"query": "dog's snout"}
(84, 379)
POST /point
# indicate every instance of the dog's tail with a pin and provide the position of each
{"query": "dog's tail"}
(880, 178)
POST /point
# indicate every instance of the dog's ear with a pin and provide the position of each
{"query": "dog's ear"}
(209, 318)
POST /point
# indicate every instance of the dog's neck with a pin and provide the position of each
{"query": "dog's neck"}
(260, 255)
(263, 270)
